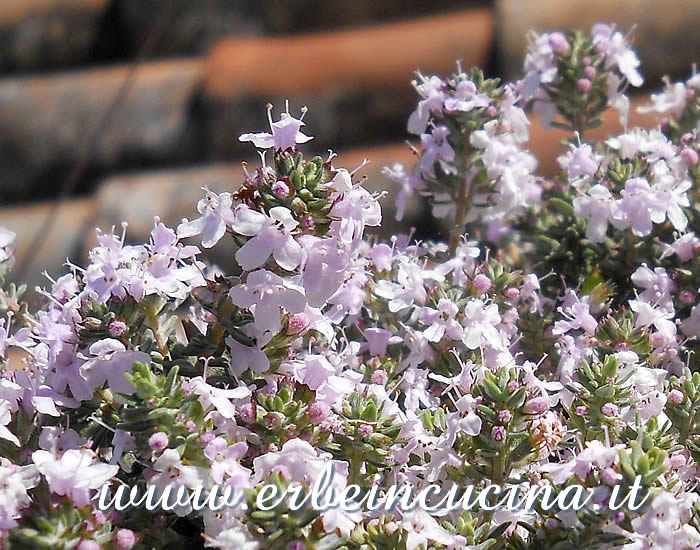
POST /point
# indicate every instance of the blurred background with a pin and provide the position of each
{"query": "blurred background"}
(116, 110)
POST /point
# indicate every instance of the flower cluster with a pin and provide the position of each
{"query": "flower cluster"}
(550, 341)
(471, 163)
(577, 75)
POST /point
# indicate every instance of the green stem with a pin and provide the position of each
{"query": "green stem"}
(463, 204)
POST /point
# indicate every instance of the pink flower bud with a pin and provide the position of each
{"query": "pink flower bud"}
(690, 156)
(512, 386)
(622, 346)
(618, 516)
(498, 433)
(99, 517)
(190, 426)
(247, 413)
(583, 85)
(511, 293)
(504, 416)
(365, 430)
(676, 397)
(308, 222)
(687, 138)
(559, 43)
(88, 545)
(536, 405)
(117, 328)
(678, 460)
(609, 409)
(298, 323)
(125, 539)
(581, 410)
(379, 377)
(281, 189)
(296, 545)
(481, 283)
(158, 441)
(589, 72)
(187, 388)
(587, 61)
(318, 411)
(491, 111)
(687, 296)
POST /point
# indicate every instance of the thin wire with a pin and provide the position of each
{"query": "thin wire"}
(92, 138)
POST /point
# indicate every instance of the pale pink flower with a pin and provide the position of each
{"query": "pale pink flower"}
(286, 132)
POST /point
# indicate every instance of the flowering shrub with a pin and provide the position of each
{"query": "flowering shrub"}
(549, 342)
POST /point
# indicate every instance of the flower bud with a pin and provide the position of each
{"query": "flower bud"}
(379, 377)
(678, 460)
(247, 413)
(307, 221)
(511, 293)
(589, 72)
(690, 156)
(117, 328)
(318, 411)
(687, 296)
(281, 189)
(536, 405)
(481, 283)
(609, 409)
(581, 410)
(583, 85)
(676, 397)
(559, 43)
(88, 545)
(365, 430)
(99, 517)
(125, 539)
(158, 441)
(296, 545)
(505, 416)
(498, 433)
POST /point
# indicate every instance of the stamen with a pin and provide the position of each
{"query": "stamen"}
(269, 114)
(364, 163)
